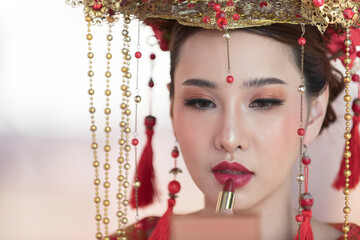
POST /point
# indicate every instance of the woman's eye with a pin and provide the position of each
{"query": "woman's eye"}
(265, 103)
(198, 103)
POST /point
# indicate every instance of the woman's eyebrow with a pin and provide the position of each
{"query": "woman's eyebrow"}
(253, 83)
(200, 83)
(259, 82)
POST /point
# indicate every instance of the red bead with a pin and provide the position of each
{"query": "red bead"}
(175, 153)
(220, 14)
(134, 142)
(302, 41)
(222, 22)
(298, 16)
(306, 160)
(263, 4)
(299, 218)
(348, 13)
(217, 7)
(191, 5)
(230, 3)
(150, 121)
(236, 17)
(230, 79)
(152, 56)
(356, 106)
(358, 54)
(301, 132)
(138, 226)
(306, 201)
(355, 78)
(318, 3)
(211, 4)
(206, 19)
(97, 7)
(151, 83)
(174, 187)
(138, 55)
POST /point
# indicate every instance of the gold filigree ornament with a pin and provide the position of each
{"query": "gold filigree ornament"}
(237, 14)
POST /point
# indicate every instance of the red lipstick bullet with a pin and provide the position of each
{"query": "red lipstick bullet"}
(226, 196)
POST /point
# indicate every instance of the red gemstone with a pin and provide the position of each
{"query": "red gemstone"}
(174, 187)
(134, 142)
(206, 19)
(175, 153)
(111, 12)
(230, 79)
(302, 41)
(348, 13)
(222, 22)
(299, 218)
(236, 16)
(230, 3)
(355, 78)
(191, 5)
(138, 55)
(263, 4)
(97, 7)
(151, 83)
(301, 132)
(211, 4)
(318, 3)
(220, 14)
(152, 56)
(306, 160)
(138, 226)
(217, 7)
(356, 106)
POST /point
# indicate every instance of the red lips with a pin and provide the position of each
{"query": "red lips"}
(225, 170)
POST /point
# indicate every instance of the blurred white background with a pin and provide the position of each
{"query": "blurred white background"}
(46, 171)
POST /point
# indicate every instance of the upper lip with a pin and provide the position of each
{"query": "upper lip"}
(225, 165)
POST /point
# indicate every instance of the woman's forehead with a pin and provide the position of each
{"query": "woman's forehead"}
(251, 56)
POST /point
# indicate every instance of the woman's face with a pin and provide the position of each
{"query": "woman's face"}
(252, 122)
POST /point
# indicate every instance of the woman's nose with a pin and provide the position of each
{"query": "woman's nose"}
(232, 132)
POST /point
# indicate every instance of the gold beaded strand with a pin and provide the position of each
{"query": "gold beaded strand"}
(123, 183)
(107, 130)
(93, 129)
(135, 141)
(347, 135)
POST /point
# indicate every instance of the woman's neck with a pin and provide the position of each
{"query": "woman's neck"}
(277, 218)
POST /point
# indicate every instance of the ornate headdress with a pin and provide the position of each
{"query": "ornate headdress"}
(223, 15)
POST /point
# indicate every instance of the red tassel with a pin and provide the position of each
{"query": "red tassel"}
(354, 145)
(306, 230)
(145, 170)
(162, 230)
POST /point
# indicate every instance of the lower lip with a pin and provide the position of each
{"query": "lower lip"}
(240, 180)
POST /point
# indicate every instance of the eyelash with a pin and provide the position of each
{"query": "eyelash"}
(269, 103)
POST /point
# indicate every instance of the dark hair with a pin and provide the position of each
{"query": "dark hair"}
(318, 71)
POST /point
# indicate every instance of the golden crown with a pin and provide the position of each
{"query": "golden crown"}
(227, 14)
